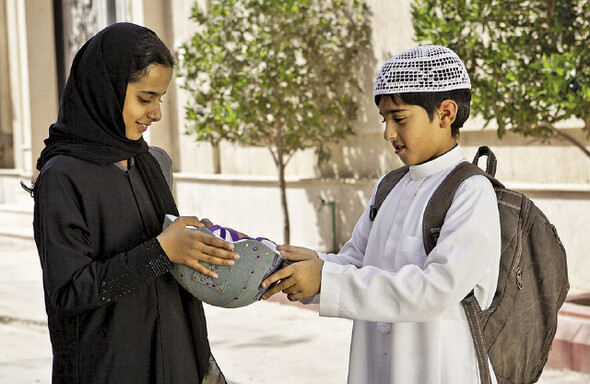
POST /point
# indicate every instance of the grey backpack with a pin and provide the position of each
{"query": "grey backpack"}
(517, 331)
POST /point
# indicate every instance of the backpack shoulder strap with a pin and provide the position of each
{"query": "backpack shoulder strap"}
(388, 182)
(441, 200)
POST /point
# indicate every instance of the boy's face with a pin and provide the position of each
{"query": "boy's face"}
(415, 138)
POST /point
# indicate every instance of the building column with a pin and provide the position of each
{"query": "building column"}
(33, 80)
(6, 137)
(42, 73)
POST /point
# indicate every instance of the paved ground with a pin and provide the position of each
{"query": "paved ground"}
(263, 343)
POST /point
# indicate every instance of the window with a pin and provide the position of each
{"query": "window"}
(75, 22)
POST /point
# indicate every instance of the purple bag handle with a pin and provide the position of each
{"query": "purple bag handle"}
(234, 235)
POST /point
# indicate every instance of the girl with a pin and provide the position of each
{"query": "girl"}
(115, 314)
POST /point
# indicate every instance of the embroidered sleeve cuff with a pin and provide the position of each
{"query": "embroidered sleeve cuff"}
(160, 264)
(148, 261)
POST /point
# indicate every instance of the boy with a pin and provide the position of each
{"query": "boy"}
(410, 326)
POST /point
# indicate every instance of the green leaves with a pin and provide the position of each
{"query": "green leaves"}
(529, 61)
(262, 71)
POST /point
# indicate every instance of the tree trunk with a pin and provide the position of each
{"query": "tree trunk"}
(282, 185)
(216, 159)
(565, 136)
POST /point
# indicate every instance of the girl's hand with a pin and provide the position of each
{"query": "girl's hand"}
(185, 246)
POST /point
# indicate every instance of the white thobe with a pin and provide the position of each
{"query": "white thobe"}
(410, 326)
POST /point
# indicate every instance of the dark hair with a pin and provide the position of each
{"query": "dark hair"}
(149, 50)
(431, 101)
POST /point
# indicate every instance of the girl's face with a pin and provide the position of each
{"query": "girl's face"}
(415, 138)
(143, 98)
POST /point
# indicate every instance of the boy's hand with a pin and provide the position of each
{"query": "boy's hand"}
(301, 278)
(186, 246)
(292, 253)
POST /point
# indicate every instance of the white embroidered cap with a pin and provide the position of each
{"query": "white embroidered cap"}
(429, 68)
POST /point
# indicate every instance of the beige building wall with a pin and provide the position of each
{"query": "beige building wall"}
(42, 74)
(245, 193)
(158, 16)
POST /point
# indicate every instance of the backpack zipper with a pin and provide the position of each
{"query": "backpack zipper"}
(516, 270)
(519, 282)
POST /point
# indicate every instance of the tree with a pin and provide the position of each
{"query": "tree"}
(529, 61)
(280, 74)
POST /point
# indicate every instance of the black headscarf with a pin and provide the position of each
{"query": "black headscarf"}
(90, 122)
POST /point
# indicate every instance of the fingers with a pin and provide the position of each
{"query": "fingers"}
(212, 250)
(201, 268)
(195, 262)
(296, 250)
(296, 296)
(282, 285)
(206, 222)
(214, 245)
(267, 295)
(296, 253)
(216, 260)
(286, 248)
(288, 287)
(281, 274)
(283, 280)
(189, 221)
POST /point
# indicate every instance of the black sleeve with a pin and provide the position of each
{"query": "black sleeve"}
(75, 278)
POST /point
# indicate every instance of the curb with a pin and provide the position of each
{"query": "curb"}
(571, 346)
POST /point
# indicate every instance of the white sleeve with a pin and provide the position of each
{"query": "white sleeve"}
(468, 247)
(353, 252)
